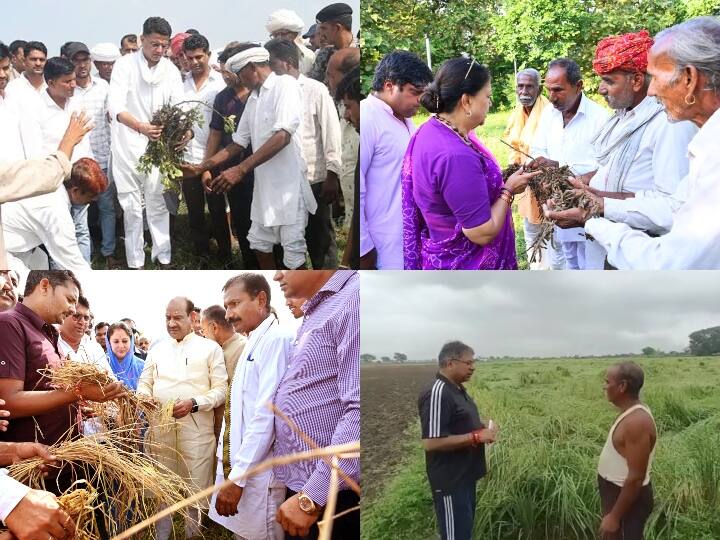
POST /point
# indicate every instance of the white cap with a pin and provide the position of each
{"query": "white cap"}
(284, 19)
(104, 52)
(243, 58)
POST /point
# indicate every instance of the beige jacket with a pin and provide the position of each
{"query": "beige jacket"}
(28, 178)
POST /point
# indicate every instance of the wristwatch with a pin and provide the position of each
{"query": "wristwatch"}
(195, 406)
(307, 505)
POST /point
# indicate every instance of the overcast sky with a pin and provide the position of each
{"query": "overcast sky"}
(534, 313)
(93, 21)
(144, 295)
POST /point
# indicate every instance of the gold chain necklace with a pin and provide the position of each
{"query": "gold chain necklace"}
(463, 138)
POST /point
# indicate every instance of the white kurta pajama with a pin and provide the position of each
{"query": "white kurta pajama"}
(282, 196)
(176, 370)
(257, 375)
(659, 164)
(140, 90)
(690, 217)
(569, 145)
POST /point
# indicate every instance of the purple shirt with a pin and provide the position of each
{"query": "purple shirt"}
(29, 344)
(320, 391)
(449, 183)
(383, 141)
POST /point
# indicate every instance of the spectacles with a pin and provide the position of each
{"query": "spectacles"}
(469, 68)
(468, 362)
(78, 317)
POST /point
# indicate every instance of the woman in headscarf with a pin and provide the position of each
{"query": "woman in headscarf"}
(456, 210)
(120, 347)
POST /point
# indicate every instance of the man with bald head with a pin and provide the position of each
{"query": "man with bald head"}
(626, 495)
(190, 371)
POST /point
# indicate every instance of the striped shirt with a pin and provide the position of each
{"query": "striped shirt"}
(320, 391)
(93, 102)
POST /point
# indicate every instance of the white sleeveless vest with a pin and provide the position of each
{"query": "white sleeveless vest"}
(612, 466)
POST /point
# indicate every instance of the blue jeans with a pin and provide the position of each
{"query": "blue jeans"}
(79, 214)
(106, 209)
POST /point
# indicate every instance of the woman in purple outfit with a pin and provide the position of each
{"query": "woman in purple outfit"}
(456, 210)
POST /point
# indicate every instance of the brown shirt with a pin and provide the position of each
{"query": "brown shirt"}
(232, 349)
(29, 344)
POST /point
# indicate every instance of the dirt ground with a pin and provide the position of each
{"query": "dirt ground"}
(388, 397)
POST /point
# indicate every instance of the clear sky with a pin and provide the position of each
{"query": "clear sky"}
(534, 313)
(144, 295)
(93, 21)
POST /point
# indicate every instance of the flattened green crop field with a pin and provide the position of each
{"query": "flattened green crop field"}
(553, 418)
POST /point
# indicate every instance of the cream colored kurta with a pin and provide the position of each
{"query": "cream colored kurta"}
(232, 349)
(191, 368)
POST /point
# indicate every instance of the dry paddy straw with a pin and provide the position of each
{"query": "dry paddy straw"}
(133, 483)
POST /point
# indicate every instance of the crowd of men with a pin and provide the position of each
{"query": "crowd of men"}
(281, 183)
(220, 366)
(646, 166)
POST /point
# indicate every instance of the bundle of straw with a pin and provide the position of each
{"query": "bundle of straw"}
(79, 505)
(123, 412)
(133, 484)
(552, 183)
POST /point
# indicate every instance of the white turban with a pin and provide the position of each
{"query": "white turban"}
(104, 52)
(243, 58)
(284, 19)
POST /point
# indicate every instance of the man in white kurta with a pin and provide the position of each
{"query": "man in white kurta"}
(189, 370)
(257, 375)
(568, 142)
(272, 124)
(140, 85)
(638, 149)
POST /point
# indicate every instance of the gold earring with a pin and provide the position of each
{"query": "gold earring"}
(690, 103)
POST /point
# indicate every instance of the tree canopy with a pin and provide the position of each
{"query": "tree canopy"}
(508, 33)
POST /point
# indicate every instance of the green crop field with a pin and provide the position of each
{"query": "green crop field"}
(553, 418)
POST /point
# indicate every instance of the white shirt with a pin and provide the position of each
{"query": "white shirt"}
(139, 90)
(89, 352)
(693, 240)
(49, 124)
(11, 135)
(191, 368)
(280, 181)
(11, 493)
(22, 95)
(660, 164)
(321, 131)
(44, 220)
(570, 145)
(258, 373)
(214, 84)
(93, 101)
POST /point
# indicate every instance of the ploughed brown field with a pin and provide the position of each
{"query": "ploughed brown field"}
(388, 398)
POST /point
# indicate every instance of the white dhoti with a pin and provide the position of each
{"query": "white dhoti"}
(257, 509)
(291, 237)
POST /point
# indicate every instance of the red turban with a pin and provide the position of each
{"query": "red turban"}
(176, 43)
(627, 52)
